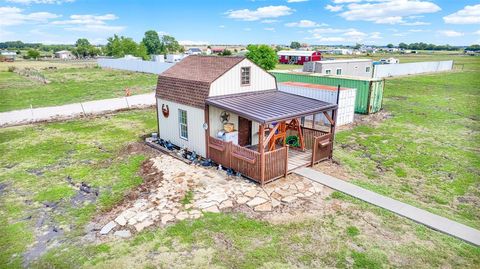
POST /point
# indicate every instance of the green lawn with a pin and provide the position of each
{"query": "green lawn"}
(426, 153)
(70, 85)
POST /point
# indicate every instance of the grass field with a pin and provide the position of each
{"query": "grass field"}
(425, 153)
(69, 85)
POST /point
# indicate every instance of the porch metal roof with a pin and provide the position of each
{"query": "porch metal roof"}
(269, 106)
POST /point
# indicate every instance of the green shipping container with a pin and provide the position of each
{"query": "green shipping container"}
(369, 91)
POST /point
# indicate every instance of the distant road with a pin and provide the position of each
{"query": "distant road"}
(53, 113)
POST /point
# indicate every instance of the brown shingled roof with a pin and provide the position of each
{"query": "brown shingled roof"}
(188, 82)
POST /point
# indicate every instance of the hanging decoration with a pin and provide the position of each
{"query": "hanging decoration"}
(165, 110)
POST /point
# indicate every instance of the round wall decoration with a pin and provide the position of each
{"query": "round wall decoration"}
(224, 117)
(165, 110)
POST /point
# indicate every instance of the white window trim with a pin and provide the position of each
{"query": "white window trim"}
(367, 69)
(327, 72)
(180, 124)
(249, 76)
(341, 71)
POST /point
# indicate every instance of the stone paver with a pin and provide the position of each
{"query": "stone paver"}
(419, 215)
(123, 233)
(108, 227)
(212, 192)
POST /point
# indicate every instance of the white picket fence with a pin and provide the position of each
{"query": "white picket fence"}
(52, 113)
(393, 70)
(135, 65)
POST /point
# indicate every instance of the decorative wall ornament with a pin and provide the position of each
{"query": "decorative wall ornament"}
(165, 110)
(224, 117)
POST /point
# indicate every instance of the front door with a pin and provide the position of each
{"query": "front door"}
(244, 132)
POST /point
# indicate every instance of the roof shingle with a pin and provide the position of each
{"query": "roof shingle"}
(188, 82)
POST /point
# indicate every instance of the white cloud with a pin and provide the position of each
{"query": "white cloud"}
(28, 2)
(334, 8)
(296, 1)
(386, 11)
(399, 34)
(269, 21)
(450, 33)
(342, 35)
(15, 16)
(346, 1)
(221, 26)
(477, 32)
(259, 13)
(192, 42)
(415, 23)
(304, 24)
(247, 29)
(90, 23)
(269, 29)
(467, 15)
(418, 30)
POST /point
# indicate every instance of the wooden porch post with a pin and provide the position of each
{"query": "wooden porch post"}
(286, 159)
(261, 148)
(207, 131)
(332, 130)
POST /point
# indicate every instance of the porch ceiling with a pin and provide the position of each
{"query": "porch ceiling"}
(269, 106)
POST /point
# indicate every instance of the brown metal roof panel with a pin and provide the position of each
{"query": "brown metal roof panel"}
(269, 106)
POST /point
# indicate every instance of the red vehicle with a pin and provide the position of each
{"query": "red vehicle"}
(298, 56)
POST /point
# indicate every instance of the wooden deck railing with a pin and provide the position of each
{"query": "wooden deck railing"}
(309, 135)
(247, 161)
(322, 148)
(276, 164)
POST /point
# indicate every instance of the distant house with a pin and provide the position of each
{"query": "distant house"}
(298, 56)
(64, 54)
(8, 56)
(348, 67)
(342, 51)
(193, 51)
(229, 110)
(217, 50)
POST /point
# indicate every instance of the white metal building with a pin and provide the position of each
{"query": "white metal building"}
(346, 100)
(347, 67)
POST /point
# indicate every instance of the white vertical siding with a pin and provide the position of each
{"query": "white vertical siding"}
(217, 125)
(346, 106)
(170, 129)
(230, 83)
(392, 70)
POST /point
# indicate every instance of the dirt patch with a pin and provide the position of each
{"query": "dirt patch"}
(374, 119)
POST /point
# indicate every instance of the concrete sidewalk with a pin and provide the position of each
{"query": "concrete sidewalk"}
(419, 215)
(26, 116)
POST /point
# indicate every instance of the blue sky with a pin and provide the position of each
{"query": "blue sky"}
(456, 22)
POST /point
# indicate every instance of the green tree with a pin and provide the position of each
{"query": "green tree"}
(390, 46)
(82, 48)
(403, 46)
(33, 54)
(152, 42)
(226, 52)
(295, 45)
(170, 44)
(142, 51)
(473, 48)
(262, 55)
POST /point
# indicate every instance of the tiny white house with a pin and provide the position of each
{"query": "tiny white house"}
(230, 111)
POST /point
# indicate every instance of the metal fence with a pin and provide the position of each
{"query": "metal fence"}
(135, 65)
(393, 70)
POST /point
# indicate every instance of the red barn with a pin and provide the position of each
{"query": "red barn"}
(298, 56)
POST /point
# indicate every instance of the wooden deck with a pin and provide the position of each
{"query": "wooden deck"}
(298, 158)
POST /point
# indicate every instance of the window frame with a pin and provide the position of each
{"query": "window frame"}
(242, 75)
(328, 71)
(336, 72)
(182, 124)
(367, 69)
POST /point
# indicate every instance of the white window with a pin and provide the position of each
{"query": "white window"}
(245, 76)
(367, 69)
(307, 59)
(328, 71)
(339, 71)
(182, 122)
